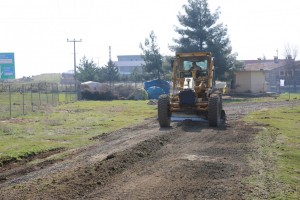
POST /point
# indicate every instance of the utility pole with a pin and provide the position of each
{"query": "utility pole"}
(98, 61)
(74, 41)
(109, 53)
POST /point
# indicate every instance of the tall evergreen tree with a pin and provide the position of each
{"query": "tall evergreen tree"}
(87, 70)
(151, 55)
(201, 32)
(111, 72)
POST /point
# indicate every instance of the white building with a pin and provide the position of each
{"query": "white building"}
(127, 63)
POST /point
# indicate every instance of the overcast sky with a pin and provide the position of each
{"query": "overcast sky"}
(37, 30)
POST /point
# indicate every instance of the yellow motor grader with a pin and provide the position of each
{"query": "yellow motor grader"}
(193, 96)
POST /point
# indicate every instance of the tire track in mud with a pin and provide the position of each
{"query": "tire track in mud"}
(195, 163)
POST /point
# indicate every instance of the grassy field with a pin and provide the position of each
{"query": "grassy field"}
(277, 161)
(281, 97)
(67, 126)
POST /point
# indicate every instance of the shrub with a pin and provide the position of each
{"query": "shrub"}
(138, 94)
(121, 91)
(104, 94)
(124, 91)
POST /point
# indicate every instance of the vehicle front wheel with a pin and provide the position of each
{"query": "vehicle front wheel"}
(214, 111)
(163, 109)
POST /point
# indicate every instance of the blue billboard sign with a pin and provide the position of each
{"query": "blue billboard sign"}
(7, 66)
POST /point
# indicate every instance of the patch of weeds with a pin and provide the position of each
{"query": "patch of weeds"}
(6, 130)
(54, 122)
(276, 161)
(4, 159)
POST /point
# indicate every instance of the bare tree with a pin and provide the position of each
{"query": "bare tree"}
(290, 53)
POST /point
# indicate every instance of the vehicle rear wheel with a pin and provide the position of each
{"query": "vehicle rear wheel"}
(214, 112)
(163, 109)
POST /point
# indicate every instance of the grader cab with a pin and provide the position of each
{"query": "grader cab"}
(193, 96)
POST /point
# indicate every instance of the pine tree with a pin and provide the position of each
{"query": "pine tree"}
(111, 72)
(152, 56)
(87, 70)
(201, 32)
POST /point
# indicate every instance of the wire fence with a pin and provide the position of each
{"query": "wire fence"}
(21, 99)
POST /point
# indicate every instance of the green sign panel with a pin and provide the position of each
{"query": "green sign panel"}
(7, 66)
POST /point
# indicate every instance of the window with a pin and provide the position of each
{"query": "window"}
(281, 73)
(188, 64)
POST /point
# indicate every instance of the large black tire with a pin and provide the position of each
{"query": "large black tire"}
(221, 100)
(163, 109)
(223, 115)
(214, 110)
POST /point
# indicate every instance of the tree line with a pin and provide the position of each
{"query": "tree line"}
(200, 31)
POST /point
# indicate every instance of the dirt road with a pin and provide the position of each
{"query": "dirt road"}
(186, 161)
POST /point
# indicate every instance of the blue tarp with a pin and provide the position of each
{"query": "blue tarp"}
(154, 92)
(165, 85)
(155, 88)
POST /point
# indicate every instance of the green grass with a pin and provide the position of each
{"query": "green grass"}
(277, 160)
(281, 97)
(68, 126)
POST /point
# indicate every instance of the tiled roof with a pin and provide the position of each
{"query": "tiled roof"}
(266, 65)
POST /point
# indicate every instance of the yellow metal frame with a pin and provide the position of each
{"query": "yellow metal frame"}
(199, 87)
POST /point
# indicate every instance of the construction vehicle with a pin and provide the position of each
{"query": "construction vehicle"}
(193, 96)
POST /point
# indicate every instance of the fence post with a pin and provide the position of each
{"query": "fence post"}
(40, 96)
(31, 97)
(66, 96)
(23, 99)
(71, 94)
(52, 94)
(57, 95)
(9, 94)
(47, 94)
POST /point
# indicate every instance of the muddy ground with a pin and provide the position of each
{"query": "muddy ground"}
(189, 160)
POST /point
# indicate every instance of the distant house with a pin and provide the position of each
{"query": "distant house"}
(127, 63)
(67, 78)
(265, 75)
